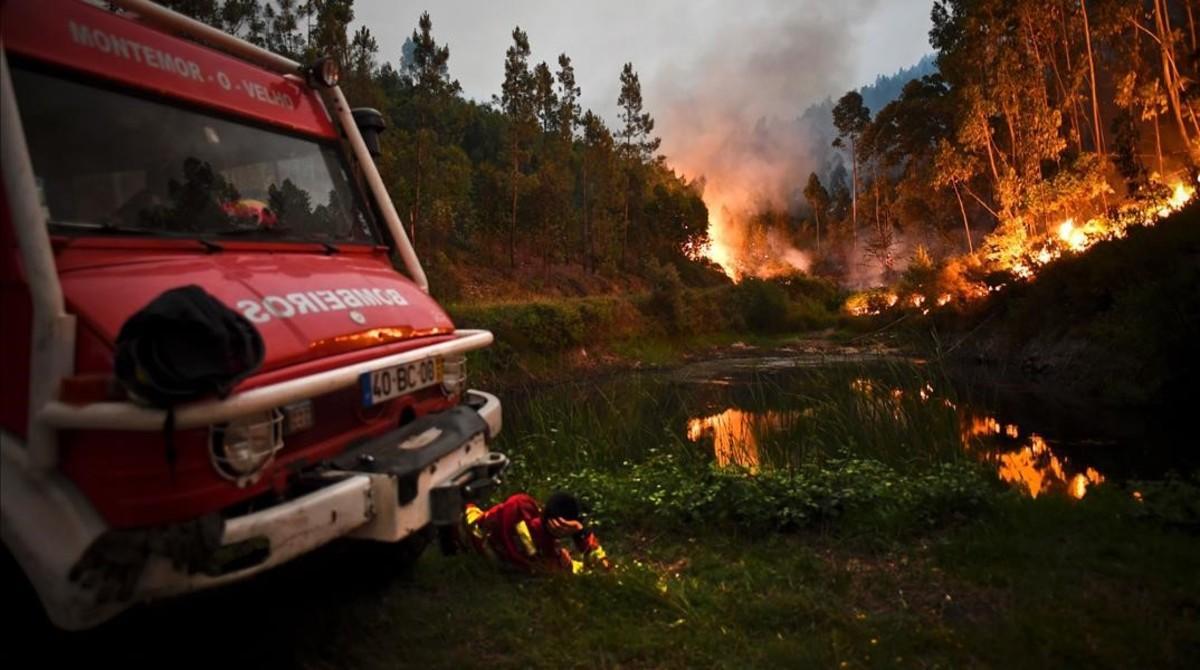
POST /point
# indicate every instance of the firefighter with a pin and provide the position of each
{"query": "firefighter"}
(522, 534)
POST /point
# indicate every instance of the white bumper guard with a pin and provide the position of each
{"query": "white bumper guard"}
(379, 490)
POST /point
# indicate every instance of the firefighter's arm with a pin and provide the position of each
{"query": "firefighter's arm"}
(593, 554)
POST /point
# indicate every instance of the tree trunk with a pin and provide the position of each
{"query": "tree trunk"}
(1087, 39)
(1158, 145)
(1074, 102)
(991, 156)
(1072, 118)
(512, 228)
(416, 214)
(817, 216)
(585, 241)
(625, 226)
(1191, 22)
(966, 224)
(1168, 80)
(853, 195)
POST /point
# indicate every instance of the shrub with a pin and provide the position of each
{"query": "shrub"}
(763, 305)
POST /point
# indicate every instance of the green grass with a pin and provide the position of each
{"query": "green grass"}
(1029, 583)
(844, 549)
(897, 413)
(1045, 583)
(551, 338)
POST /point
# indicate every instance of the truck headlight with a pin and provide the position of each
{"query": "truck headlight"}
(323, 72)
(242, 448)
(454, 374)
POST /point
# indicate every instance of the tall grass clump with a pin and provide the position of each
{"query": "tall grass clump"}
(816, 445)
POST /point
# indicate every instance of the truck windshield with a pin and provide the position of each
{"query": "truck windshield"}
(111, 163)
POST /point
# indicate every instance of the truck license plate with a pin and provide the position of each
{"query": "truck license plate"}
(380, 385)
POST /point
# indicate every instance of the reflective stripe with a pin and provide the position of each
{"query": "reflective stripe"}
(526, 539)
(473, 516)
(576, 567)
(596, 555)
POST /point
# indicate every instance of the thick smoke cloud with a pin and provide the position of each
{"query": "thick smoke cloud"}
(732, 117)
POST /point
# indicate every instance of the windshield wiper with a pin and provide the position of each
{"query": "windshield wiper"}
(247, 232)
(102, 227)
(209, 246)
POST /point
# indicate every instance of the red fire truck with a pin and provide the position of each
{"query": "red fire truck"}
(144, 151)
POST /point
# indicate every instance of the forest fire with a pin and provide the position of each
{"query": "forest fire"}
(745, 245)
(720, 245)
(1023, 255)
(1072, 237)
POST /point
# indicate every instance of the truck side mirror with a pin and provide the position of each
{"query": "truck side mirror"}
(370, 124)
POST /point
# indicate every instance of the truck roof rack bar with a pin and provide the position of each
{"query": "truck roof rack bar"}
(177, 23)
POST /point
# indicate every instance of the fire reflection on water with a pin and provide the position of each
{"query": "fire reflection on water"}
(1024, 461)
(1033, 466)
(733, 434)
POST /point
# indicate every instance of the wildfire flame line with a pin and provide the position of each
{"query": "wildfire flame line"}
(1070, 237)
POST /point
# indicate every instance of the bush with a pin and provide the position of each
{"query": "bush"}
(666, 303)
(763, 305)
(676, 493)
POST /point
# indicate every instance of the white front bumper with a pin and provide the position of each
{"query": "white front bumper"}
(354, 504)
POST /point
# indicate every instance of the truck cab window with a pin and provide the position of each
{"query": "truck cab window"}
(109, 162)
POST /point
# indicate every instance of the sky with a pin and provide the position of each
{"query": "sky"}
(676, 46)
(725, 80)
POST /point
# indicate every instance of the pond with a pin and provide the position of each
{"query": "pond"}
(781, 410)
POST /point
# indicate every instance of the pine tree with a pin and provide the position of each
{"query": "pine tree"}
(818, 200)
(428, 73)
(638, 145)
(851, 117)
(517, 103)
(568, 100)
(636, 134)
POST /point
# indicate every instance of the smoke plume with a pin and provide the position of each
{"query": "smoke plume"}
(732, 118)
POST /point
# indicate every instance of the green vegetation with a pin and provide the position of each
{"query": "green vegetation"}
(838, 550)
(536, 336)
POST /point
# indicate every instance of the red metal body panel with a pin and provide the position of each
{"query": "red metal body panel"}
(306, 304)
(88, 39)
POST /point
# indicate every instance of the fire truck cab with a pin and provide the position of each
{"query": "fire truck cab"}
(144, 151)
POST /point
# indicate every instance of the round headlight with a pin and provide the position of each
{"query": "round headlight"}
(242, 448)
(324, 72)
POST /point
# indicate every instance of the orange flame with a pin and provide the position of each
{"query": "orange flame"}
(1023, 254)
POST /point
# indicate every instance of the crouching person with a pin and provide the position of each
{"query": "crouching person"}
(522, 534)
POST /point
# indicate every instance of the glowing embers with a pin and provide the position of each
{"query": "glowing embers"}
(735, 435)
(1033, 466)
